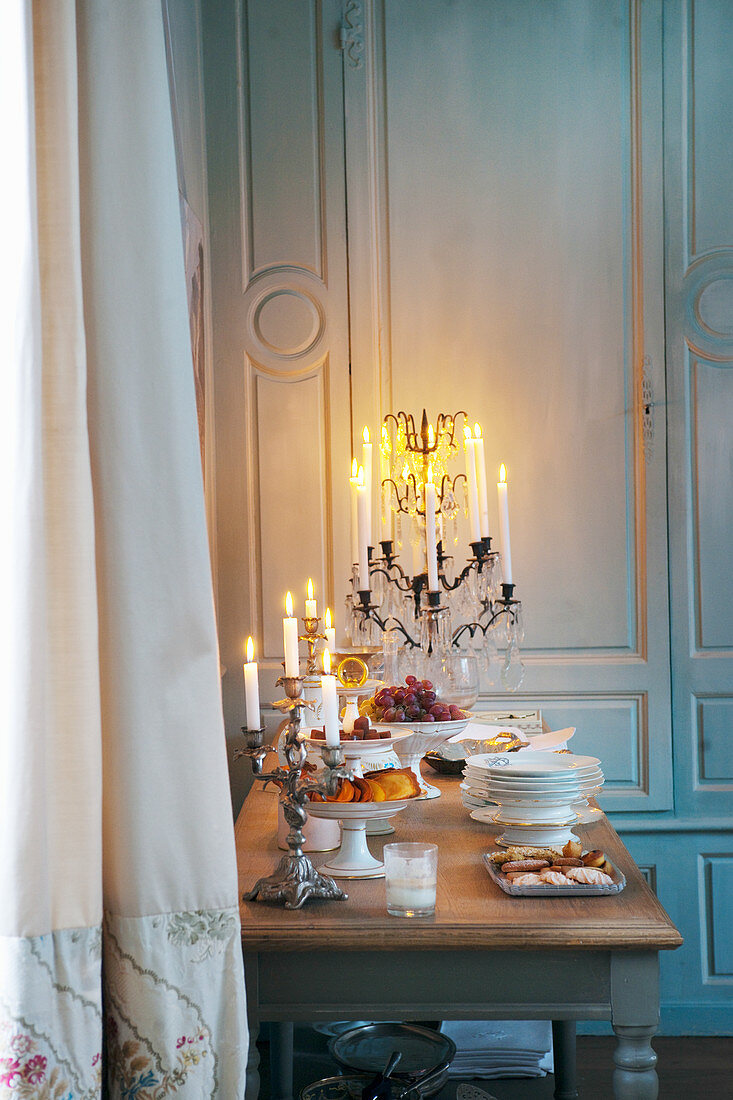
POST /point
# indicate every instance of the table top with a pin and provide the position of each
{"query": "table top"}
(471, 911)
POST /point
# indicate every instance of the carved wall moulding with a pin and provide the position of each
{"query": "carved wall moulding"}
(352, 33)
(708, 286)
(286, 316)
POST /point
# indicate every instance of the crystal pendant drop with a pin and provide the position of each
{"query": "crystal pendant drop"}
(512, 671)
(492, 662)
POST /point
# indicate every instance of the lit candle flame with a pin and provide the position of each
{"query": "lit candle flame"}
(431, 435)
(327, 662)
(354, 467)
(289, 605)
(310, 589)
(365, 435)
(430, 474)
(250, 650)
(477, 431)
(502, 472)
(467, 433)
(328, 618)
(360, 476)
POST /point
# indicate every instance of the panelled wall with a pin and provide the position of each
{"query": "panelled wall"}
(691, 851)
(521, 209)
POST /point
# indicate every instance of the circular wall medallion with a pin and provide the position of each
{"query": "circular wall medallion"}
(708, 306)
(715, 307)
(287, 321)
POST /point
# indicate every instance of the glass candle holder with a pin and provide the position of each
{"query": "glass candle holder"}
(411, 878)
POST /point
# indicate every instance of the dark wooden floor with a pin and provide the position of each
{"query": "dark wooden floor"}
(689, 1069)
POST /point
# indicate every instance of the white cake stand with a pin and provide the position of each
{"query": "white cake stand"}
(353, 859)
(358, 753)
(423, 737)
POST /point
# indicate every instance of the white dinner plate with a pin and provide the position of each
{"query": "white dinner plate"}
(506, 782)
(530, 764)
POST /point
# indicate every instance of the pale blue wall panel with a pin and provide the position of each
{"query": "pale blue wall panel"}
(711, 398)
(713, 725)
(283, 162)
(711, 109)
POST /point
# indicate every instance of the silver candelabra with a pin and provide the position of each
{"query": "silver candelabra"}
(295, 879)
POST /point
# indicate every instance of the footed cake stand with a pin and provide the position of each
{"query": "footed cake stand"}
(353, 859)
(358, 753)
(422, 737)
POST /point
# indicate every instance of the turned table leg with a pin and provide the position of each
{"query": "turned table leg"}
(635, 1074)
(635, 1018)
(563, 1055)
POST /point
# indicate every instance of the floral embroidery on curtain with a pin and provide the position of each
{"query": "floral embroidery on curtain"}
(51, 1016)
(170, 1004)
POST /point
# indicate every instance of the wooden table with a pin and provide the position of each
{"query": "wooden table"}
(484, 955)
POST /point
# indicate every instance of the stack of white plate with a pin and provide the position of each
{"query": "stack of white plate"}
(535, 796)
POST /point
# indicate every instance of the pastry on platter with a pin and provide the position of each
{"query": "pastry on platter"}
(389, 785)
(555, 878)
(395, 782)
(591, 876)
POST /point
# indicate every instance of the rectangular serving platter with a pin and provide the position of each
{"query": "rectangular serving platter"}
(550, 891)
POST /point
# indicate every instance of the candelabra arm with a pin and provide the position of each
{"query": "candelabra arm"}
(369, 611)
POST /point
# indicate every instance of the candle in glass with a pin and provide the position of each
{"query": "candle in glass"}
(330, 702)
(506, 549)
(330, 632)
(367, 461)
(361, 511)
(311, 607)
(483, 492)
(251, 689)
(473, 512)
(290, 639)
(354, 483)
(430, 547)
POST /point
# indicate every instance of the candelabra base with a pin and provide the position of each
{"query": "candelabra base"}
(294, 881)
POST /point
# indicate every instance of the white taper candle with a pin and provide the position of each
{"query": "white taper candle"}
(361, 508)
(430, 541)
(353, 485)
(483, 489)
(367, 462)
(506, 548)
(251, 689)
(311, 606)
(330, 702)
(330, 632)
(473, 512)
(290, 640)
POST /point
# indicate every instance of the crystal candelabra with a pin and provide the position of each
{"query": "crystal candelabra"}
(295, 879)
(471, 610)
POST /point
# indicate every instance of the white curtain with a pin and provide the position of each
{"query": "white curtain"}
(116, 839)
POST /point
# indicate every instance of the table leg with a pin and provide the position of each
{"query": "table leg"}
(563, 1054)
(281, 1061)
(635, 1076)
(635, 1018)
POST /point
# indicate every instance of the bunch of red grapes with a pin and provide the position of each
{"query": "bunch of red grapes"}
(416, 701)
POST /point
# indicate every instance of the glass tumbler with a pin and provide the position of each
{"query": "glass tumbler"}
(411, 877)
